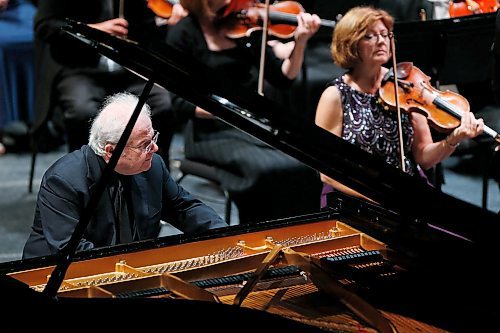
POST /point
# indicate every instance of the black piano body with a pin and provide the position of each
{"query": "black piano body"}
(441, 250)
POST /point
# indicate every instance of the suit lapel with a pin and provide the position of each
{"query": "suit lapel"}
(104, 210)
(140, 198)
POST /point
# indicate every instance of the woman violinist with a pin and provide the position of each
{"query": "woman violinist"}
(245, 166)
(350, 107)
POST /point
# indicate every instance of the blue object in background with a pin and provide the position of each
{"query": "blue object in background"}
(17, 84)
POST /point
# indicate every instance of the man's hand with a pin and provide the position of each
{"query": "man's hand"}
(117, 27)
(3, 5)
(201, 113)
(178, 12)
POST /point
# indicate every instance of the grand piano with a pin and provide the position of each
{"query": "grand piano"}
(417, 261)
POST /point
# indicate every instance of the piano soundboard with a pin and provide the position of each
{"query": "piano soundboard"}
(217, 270)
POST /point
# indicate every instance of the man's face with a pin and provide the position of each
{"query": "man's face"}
(138, 153)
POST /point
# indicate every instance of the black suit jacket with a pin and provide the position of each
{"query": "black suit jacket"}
(66, 188)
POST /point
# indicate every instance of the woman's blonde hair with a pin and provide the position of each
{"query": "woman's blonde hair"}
(351, 29)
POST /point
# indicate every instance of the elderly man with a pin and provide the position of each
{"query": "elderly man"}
(140, 194)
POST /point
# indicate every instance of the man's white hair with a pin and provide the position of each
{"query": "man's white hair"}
(114, 115)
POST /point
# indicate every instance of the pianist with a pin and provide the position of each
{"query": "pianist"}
(139, 195)
(349, 106)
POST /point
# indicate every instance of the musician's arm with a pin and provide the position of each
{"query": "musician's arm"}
(428, 153)
(329, 115)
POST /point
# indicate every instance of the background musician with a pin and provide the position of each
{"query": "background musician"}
(350, 107)
(245, 166)
(16, 72)
(73, 79)
(140, 193)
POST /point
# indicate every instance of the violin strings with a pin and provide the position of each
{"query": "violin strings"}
(445, 105)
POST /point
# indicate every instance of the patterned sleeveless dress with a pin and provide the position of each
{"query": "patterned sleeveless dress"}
(372, 128)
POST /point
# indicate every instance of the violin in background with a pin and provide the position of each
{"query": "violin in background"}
(247, 16)
(162, 8)
(167, 11)
(462, 8)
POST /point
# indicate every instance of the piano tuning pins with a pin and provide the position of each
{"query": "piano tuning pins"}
(334, 232)
(221, 255)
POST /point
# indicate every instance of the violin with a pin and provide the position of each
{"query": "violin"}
(457, 9)
(162, 8)
(443, 109)
(247, 16)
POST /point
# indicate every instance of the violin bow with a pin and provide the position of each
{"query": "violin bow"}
(260, 87)
(398, 109)
(121, 9)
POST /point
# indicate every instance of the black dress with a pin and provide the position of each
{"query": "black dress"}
(367, 125)
(264, 182)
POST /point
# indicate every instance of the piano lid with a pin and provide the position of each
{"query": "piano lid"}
(262, 118)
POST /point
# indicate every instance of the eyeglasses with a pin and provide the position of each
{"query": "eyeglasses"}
(374, 37)
(149, 147)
